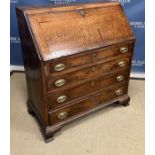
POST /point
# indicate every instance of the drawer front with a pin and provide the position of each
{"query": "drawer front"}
(71, 110)
(63, 64)
(76, 77)
(116, 51)
(58, 98)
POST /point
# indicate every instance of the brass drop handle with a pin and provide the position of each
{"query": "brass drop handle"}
(120, 78)
(123, 49)
(61, 98)
(59, 67)
(119, 92)
(60, 82)
(122, 63)
(62, 115)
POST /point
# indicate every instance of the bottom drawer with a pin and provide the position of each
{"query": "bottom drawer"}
(71, 110)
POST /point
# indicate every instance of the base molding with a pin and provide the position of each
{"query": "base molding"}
(49, 131)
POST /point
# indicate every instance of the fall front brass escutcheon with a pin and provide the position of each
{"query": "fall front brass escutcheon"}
(122, 63)
(59, 67)
(60, 82)
(120, 78)
(119, 92)
(62, 115)
(82, 13)
(61, 98)
(123, 49)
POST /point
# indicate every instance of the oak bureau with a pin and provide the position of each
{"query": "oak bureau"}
(77, 60)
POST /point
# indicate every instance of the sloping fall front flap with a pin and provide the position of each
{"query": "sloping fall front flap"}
(64, 31)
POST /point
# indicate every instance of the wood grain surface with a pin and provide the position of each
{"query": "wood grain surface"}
(67, 32)
(77, 60)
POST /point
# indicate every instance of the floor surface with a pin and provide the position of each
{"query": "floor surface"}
(112, 131)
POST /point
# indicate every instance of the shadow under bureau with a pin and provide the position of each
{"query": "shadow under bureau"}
(77, 60)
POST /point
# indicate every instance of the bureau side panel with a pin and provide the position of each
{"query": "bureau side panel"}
(33, 69)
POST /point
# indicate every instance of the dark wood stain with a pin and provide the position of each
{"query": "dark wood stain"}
(84, 42)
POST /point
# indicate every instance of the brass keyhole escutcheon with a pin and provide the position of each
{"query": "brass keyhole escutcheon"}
(93, 83)
(94, 55)
(93, 68)
(93, 99)
(82, 12)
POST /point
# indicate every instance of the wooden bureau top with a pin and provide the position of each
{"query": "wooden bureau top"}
(62, 31)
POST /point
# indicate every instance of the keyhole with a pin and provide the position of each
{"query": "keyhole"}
(92, 83)
(93, 68)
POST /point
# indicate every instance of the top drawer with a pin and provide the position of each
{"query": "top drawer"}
(71, 62)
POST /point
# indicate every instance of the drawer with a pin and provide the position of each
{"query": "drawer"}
(61, 65)
(71, 110)
(58, 98)
(76, 77)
